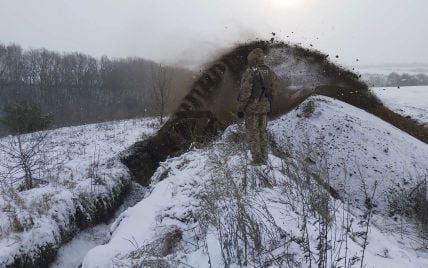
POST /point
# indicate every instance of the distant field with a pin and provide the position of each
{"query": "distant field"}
(407, 101)
(385, 70)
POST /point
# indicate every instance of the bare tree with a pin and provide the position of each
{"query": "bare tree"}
(77, 88)
(23, 151)
(24, 157)
(161, 89)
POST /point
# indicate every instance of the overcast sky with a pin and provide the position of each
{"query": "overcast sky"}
(190, 31)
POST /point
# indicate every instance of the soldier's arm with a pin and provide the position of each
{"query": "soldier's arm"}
(245, 90)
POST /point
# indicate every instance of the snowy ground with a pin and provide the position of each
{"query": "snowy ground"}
(82, 166)
(190, 218)
(407, 101)
(357, 147)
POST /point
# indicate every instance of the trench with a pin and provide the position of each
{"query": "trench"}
(72, 253)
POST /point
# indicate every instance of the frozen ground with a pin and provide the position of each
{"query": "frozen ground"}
(201, 198)
(407, 101)
(82, 167)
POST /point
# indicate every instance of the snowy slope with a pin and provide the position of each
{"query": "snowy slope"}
(356, 147)
(407, 101)
(200, 196)
(83, 169)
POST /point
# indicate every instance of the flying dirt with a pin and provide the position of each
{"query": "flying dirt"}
(211, 104)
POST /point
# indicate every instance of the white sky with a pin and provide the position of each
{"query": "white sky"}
(190, 31)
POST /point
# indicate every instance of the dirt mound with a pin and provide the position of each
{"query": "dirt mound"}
(178, 133)
(211, 103)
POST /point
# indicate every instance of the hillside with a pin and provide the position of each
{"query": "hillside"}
(314, 202)
(81, 184)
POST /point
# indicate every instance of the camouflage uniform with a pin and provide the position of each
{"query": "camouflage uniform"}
(256, 105)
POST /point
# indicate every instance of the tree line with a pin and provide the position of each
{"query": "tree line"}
(395, 79)
(74, 88)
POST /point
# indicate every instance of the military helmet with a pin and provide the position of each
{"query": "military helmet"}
(256, 57)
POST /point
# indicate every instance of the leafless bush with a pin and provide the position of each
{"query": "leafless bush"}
(159, 253)
(308, 109)
(244, 226)
(24, 157)
(93, 171)
(161, 89)
(411, 202)
(241, 221)
(318, 204)
(420, 199)
(369, 209)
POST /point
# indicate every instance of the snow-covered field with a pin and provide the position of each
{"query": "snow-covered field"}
(407, 101)
(380, 75)
(82, 168)
(386, 70)
(201, 210)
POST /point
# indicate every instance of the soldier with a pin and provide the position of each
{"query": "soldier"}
(258, 86)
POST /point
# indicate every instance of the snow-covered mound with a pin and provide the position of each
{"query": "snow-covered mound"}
(358, 149)
(82, 183)
(407, 101)
(210, 208)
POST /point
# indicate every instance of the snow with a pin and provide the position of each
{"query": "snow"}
(386, 70)
(140, 222)
(71, 254)
(83, 166)
(357, 143)
(407, 101)
(357, 147)
(360, 153)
